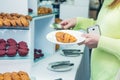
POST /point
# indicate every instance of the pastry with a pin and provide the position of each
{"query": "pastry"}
(15, 76)
(18, 22)
(28, 17)
(7, 76)
(13, 23)
(1, 77)
(6, 22)
(1, 22)
(24, 21)
(65, 37)
(23, 75)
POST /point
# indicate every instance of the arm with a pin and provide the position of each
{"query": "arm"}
(84, 23)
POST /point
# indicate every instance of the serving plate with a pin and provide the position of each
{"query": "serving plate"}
(60, 66)
(77, 34)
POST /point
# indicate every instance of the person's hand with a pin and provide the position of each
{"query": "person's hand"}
(91, 40)
(69, 23)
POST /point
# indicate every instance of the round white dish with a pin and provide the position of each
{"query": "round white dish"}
(77, 34)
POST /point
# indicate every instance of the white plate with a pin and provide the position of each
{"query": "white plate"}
(77, 34)
(68, 55)
(59, 68)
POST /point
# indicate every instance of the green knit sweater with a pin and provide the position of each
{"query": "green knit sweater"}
(105, 59)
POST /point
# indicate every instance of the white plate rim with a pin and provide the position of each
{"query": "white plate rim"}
(58, 70)
(51, 36)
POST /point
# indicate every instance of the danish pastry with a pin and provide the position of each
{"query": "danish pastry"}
(23, 75)
(15, 76)
(7, 76)
(1, 77)
(65, 37)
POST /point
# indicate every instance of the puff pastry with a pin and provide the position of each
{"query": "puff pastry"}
(65, 37)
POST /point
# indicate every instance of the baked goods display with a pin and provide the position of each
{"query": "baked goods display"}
(21, 75)
(58, 20)
(38, 54)
(44, 10)
(14, 20)
(65, 37)
(10, 47)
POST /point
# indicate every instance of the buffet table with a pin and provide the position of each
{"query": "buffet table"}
(40, 71)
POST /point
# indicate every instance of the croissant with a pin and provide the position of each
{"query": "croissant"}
(65, 37)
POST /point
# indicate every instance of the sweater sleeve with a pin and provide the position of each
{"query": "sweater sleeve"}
(84, 23)
(111, 45)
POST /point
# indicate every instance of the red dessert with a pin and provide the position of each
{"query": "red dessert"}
(2, 53)
(23, 52)
(11, 52)
(11, 41)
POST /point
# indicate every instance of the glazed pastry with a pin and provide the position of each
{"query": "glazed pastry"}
(18, 22)
(23, 75)
(7, 76)
(65, 37)
(1, 77)
(24, 21)
(15, 76)
(6, 22)
(28, 17)
(1, 22)
(13, 23)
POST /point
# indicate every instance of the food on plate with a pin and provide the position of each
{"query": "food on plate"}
(7, 76)
(65, 37)
(23, 75)
(15, 76)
